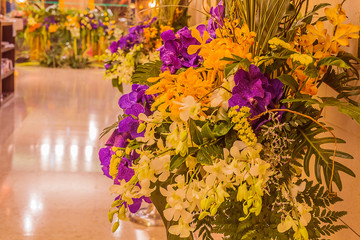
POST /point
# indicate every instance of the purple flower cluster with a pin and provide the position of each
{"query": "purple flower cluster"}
(133, 104)
(128, 41)
(49, 21)
(216, 19)
(174, 53)
(255, 90)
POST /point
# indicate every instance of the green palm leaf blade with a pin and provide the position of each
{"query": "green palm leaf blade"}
(308, 146)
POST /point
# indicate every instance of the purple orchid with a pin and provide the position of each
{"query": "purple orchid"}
(133, 103)
(49, 21)
(255, 90)
(174, 51)
(137, 203)
(114, 46)
(105, 157)
(216, 19)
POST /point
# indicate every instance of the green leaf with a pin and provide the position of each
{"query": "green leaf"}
(343, 107)
(176, 161)
(222, 129)
(196, 136)
(231, 69)
(333, 61)
(351, 110)
(244, 62)
(206, 132)
(203, 157)
(311, 71)
(289, 81)
(308, 146)
(319, 6)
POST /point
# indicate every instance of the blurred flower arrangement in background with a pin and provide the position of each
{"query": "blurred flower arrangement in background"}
(71, 37)
(221, 132)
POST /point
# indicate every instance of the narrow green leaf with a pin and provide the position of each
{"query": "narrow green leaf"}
(222, 129)
(206, 132)
(176, 161)
(203, 157)
(196, 136)
(333, 61)
(311, 71)
(289, 81)
(350, 110)
(231, 69)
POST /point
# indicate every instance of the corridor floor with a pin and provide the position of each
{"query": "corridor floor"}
(51, 185)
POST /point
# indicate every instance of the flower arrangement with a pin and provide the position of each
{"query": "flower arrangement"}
(139, 45)
(57, 37)
(221, 134)
(136, 47)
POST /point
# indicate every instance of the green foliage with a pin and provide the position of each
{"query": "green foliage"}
(113, 126)
(323, 220)
(308, 144)
(145, 71)
(344, 83)
(52, 57)
(349, 109)
(236, 62)
(289, 81)
(79, 60)
(333, 61)
(204, 227)
(253, 227)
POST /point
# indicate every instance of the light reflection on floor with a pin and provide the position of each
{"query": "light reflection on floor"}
(51, 186)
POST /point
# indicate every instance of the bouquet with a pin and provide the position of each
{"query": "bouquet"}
(140, 45)
(133, 49)
(58, 37)
(222, 133)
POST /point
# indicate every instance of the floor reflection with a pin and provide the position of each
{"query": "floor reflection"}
(51, 186)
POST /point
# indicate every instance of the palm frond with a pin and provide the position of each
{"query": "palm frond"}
(309, 147)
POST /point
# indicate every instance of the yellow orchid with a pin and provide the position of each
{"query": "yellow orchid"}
(172, 89)
(319, 31)
(344, 32)
(196, 34)
(53, 28)
(335, 15)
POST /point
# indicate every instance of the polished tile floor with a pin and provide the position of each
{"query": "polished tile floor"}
(51, 186)
(50, 182)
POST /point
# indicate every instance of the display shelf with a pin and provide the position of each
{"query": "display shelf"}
(7, 85)
(7, 74)
(7, 49)
(6, 96)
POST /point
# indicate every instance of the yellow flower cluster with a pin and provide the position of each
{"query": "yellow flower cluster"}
(53, 28)
(172, 89)
(150, 33)
(238, 44)
(303, 59)
(242, 125)
(115, 161)
(318, 44)
(275, 42)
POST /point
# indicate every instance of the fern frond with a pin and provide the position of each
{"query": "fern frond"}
(145, 71)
